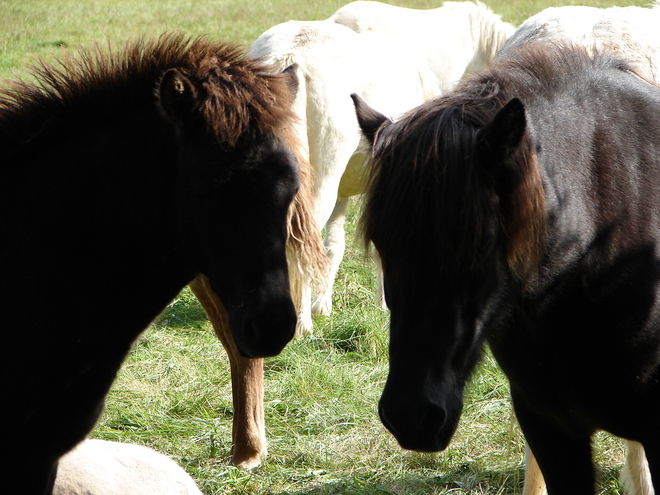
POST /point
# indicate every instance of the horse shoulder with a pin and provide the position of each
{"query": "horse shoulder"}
(112, 468)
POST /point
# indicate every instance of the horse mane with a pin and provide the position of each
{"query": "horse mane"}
(305, 251)
(240, 94)
(426, 179)
(104, 80)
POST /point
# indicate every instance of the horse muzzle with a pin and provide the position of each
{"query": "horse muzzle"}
(263, 331)
(419, 425)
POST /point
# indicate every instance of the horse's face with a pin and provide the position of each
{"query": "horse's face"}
(436, 335)
(233, 207)
(441, 299)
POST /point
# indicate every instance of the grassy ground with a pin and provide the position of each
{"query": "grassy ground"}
(174, 391)
(321, 393)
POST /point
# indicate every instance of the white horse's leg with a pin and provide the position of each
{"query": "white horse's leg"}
(534, 482)
(305, 324)
(380, 284)
(335, 245)
(635, 475)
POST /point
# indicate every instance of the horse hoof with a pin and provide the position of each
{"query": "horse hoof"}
(247, 464)
(304, 327)
(322, 307)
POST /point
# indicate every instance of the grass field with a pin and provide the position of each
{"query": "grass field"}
(174, 391)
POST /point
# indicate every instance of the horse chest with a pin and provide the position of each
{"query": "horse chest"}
(573, 353)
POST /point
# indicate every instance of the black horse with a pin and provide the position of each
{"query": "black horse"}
(523, 209)
(123, 176)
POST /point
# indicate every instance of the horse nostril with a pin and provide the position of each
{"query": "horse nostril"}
(434, 418)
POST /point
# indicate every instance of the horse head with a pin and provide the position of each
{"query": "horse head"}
(440, 186)
(237, 178)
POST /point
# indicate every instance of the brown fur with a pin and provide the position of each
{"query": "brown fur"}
(238, 94)
(527, 224)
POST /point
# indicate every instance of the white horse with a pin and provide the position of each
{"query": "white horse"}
(99, 467)
(334, 61)
(632, 33)
(400, 58)
(452, 39)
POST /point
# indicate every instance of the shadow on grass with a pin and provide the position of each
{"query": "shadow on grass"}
(462, 480)
(183, 311)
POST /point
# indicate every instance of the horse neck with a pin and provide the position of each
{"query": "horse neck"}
(489, 33)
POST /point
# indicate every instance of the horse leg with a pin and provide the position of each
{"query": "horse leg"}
(301, 294)
(335, 244)
(635, 475)
(565, 460)
(380, 283)
(534, 482)
(305, 324)
(247, 380)
(651, 447)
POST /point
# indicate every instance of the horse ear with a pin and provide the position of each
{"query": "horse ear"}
(178, 95)
(502, 136)
(369, 119)
(291, 73)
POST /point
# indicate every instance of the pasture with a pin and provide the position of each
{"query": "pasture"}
(174, 394)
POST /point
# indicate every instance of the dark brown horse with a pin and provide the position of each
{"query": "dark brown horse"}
(124, 176)
(523, 210)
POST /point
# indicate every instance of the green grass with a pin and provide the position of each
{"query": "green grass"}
(174, 394)
(174, 391)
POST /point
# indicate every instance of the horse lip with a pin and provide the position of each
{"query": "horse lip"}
(425, 442)
(420, 437)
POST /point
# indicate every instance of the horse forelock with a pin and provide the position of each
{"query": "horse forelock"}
(428, 183)
(242, 94)
(425, 185)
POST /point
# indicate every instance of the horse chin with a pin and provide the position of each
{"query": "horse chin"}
(263, 332)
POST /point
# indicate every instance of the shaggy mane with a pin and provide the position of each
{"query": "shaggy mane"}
(428, 182)
(103, 80)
